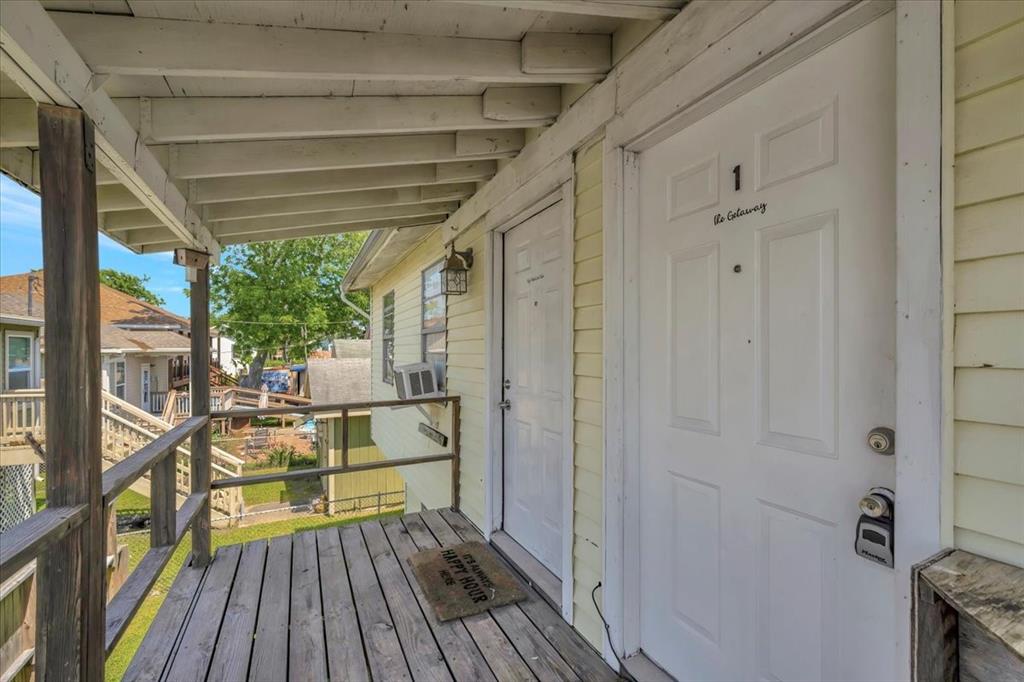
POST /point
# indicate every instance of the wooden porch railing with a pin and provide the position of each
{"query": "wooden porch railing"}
(345, 467)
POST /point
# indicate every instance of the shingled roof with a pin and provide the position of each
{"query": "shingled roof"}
(127, 325)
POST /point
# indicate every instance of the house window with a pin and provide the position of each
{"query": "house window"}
(387, 339)
(116, 378)
(433, 322)
(18, 361)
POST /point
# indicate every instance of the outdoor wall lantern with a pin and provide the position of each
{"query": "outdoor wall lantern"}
(455, 275)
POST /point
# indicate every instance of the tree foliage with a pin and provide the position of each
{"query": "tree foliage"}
(285, 294)
(133, 285)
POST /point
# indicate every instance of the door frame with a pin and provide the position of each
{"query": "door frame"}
(495, 313)
(919, 288)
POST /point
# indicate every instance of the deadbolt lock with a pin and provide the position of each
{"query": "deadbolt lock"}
(882, 440)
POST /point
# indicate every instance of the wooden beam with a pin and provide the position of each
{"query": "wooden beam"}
(18, 127)
(116, 198)
(218, 159)
(199, 386)
(22, 165)
(522, 104)
(127, 220)
(218, 190)
(45, 65)
(343, 217)
(212, 119)
(73, 573)
(162, 47)
(580, 53)
(394, 223)
(257, 208)
(647, 10)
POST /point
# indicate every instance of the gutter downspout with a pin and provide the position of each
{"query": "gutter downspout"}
(347, 301)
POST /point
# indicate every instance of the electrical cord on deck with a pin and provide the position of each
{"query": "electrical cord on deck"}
(608, 633)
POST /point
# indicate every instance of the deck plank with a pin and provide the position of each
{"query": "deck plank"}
(158, 644)
(538, 653)
(466, 662)
(270, 647)
(192, 659)
(421, 651)
(383, 650)
(576, 651)
(307, 655)
(344, 641)
(234, 644)
(501, 656)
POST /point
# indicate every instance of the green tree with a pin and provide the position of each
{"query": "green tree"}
(285, 295)
(133, 285)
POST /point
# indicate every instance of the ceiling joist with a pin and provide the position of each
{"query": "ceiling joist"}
(164, 47)
(211, 119)
(215, 159)
(319, 230)
(216, 190)
(355, 215)
(281, 206)
(650, 10)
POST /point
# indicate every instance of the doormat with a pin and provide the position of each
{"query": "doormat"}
(464, 580)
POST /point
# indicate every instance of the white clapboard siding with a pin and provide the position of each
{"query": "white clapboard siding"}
(588, 392)
(396, 431)
(988, 279)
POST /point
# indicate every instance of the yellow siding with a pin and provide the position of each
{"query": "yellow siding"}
(361, 450)
(588, 393)
(988, 276)
(395, 431)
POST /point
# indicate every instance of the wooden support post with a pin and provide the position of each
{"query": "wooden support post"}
(344, 438)
(72, 575)
(456, 451)
(200, 383)
(163, 498)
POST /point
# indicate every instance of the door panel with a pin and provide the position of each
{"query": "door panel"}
(766, 341)
(535, 357)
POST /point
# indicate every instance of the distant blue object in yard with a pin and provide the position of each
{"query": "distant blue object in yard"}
(276, 380)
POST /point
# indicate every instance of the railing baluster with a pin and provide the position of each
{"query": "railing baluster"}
(163, 495)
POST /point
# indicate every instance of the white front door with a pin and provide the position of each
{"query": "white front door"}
(144, 393)
(767, 343)
(534, 356)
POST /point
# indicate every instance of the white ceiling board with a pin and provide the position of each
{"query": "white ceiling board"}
(377, 16)
(120, 85)
(10, 90)
(389, 88)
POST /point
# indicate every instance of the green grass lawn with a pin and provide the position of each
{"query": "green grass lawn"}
(127, 502)
(298, 491)
(138, 543)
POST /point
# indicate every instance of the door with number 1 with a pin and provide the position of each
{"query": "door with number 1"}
(766, 339)
(535, 354)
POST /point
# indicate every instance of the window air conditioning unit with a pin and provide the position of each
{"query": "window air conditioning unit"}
(416, 381)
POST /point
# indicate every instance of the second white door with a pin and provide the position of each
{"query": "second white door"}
(535, 354)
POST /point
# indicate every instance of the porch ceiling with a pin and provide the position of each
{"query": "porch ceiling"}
(227, 121)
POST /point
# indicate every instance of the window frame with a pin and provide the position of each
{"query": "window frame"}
(112, 384)
(31, 369)
(440, 369)
(387, 339)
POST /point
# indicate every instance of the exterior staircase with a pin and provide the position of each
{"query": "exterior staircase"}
(126, 428)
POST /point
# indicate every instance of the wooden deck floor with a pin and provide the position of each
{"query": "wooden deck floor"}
(342, 604)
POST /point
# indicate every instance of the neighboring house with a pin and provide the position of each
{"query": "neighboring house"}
(20, 335)
(144, 347)
(347, 380)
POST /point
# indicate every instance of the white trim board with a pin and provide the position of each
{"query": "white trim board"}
(727, 70)
(494, 505)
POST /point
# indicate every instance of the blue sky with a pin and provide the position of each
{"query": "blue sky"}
(21, 248)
